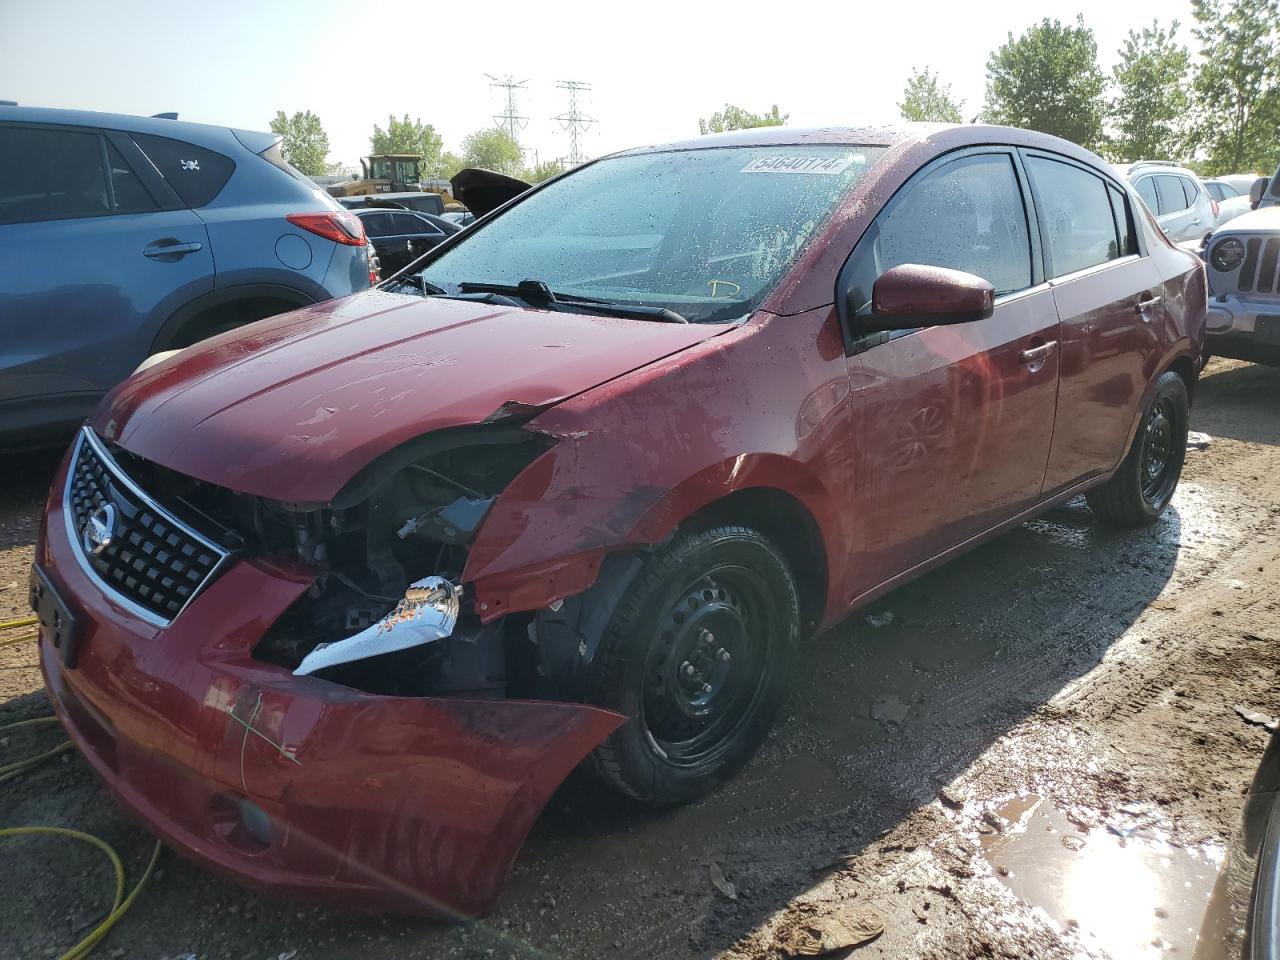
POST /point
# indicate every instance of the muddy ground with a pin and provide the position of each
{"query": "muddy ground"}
(1096, 670)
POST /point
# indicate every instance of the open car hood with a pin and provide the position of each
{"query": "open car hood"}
(481, 191)
(291, 407)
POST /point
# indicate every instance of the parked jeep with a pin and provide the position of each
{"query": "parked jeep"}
(1244, 281)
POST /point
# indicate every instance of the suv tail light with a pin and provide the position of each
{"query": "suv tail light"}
(1213, 205)
(335, 225)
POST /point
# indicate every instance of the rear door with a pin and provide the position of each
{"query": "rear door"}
(1108, 296)
(1176, 212)
(95, 254)
(952, 424)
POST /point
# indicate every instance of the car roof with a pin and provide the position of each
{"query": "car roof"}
(1157, 166)
(405, 195)
(200, 133)
(869, 136)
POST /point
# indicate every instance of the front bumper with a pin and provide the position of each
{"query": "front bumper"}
(295, 784)
(1232, 329)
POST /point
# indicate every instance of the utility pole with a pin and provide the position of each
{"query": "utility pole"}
(510, 120)
(573, 120)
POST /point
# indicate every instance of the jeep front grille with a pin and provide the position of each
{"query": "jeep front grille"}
(150, 562)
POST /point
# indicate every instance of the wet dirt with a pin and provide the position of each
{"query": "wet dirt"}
(1098, 670)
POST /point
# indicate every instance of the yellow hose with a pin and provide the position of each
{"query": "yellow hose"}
(120, 904)
(22, 622)
(11, 641)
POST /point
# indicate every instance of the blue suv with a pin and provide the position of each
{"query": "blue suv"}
(123, 236)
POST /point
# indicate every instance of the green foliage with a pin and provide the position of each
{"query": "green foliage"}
(925, 98)
(544, 170)
(1235, 85)
(1149, 114)
(735, 118)
(1048, 79)
(410, 136)
(493, 149)
(305, 143)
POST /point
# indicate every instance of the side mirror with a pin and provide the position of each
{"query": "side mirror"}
(1258, 191)
(914, 295)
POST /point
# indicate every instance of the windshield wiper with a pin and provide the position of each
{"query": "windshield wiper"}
(422, 286)
(538, 294)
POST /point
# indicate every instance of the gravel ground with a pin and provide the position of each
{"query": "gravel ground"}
(1098, 670)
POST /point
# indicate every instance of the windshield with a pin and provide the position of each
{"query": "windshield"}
(704, 233)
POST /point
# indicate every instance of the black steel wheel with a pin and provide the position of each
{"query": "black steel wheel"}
(1143, 485)
(696, 654)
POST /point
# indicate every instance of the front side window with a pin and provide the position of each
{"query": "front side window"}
(966, 215)
(51, 175)
(1076, 216)
(706, 233)
(1169, 191)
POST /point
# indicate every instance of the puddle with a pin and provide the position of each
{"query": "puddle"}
(1125, 889)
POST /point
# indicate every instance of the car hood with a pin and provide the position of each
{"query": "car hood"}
(1262, 220)
(291, 407)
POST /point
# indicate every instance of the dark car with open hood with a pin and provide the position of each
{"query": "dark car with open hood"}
(336, 601)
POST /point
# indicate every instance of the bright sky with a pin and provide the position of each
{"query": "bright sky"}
(655, 66)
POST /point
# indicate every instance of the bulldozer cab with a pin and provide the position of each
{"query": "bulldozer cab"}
(400, 170)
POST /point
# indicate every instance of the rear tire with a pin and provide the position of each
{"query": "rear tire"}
(1144, 484)
(697, 656)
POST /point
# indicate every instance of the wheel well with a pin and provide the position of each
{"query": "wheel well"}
(220, 317)
(787, 522)
(1184, 368)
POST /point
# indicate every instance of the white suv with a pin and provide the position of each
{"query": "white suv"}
(1174, 194)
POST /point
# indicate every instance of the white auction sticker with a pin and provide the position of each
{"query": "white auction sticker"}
(793, 164)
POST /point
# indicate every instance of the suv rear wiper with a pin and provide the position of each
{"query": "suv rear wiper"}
(538, 294)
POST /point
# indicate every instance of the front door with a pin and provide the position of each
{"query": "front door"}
(952, 424)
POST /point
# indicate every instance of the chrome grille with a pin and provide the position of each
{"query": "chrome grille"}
(150, 561)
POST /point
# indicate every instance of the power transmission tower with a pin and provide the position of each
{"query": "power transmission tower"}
(511, 120)
(573, 120)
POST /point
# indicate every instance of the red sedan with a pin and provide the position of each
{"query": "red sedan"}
(335, 601)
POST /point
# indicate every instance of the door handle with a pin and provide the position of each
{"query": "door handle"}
(1142, 306)
(1195, 222)
(1036, 355)
(169, 249)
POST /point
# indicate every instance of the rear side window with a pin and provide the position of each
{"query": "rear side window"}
(1215, 190)
(967, 215)
(1075, 215)
(404, 223)
(196, 174)
(1172, 199)
(51, 175)
(127, 190)
(1147, 191)
(1226, 191)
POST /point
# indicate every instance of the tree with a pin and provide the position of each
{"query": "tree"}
(545, 170)
(1235, 85)
(1048, 79)
(450, 163)
(410, 136)
(305, 142)
(1149, 113)
(925, 98)
(735, 118)
(493, 149)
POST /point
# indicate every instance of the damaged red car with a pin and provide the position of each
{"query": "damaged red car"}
(335, 601)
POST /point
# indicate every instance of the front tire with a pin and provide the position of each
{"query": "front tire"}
(1144, 484)
(697, 656)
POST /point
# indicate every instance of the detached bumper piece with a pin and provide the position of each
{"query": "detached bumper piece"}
(293, 784)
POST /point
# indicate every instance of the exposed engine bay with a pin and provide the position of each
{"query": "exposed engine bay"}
(387, 613)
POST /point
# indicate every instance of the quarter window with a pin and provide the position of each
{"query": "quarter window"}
(1189, 190)
(1076, 216)
(51, 175)
(967, 215)
(197, 175)
(127, 191)
(1124, 222)
(1172, 198)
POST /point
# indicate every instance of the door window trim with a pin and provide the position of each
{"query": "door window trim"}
(855, 344)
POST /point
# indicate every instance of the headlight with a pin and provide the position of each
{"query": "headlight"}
(1227, 255)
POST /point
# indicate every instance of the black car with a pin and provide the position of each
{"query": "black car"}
(419, 202)
(401, 236)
